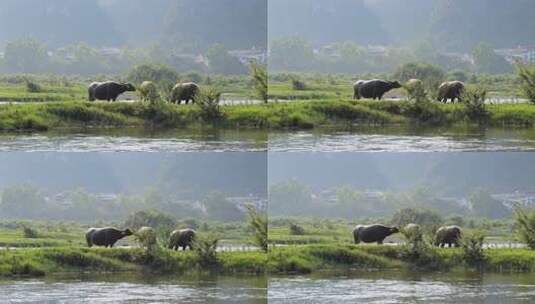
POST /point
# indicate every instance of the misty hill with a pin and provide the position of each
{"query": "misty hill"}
(180, 24)
(451, 24)
(445, 173)
(187, 175)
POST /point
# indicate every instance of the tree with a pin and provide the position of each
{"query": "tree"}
(220, 61)
(219, 208)
(430, 75)
(260, 80)
(258, 221)
(484, 205)
(428, 219)
(527, 78)
(25, 55)
(487, 61)
(291, 52)
(23, 201)
(289, 198)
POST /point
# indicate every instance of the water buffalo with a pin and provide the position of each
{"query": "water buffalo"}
(374, 88)
(450, 90)
(148, 91)
(106, 237)
(184, 91)
(181, 238)
(448, 235)
(372, 233)
(108, 90)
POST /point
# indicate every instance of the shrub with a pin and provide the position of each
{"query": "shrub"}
(527, 78)
(208, 102)
(205, 247)
(298, 85)
(525, 219)
(258, 222)
(147, 239)
(416, 92)
(474, 100)
(472, 247)
(33, 87)
(29, 232)
(296, 230)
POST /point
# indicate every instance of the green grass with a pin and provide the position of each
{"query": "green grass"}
(302, 259)
(322, 104)
(45, 261)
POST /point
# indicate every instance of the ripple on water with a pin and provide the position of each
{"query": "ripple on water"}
(345, 290)
(351, 142)
(90, 143)
(105, 292)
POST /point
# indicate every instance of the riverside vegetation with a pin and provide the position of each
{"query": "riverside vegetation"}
(36, 248)
(295, 101)
(300, 246)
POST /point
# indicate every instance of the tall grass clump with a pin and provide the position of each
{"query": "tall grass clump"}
(525, 220)
(205, 248)
(260, 80)
(258, 221)
(527, 77)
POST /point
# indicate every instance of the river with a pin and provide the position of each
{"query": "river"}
(135, 140)
(132, 288)
(404, 139)
(403, 287)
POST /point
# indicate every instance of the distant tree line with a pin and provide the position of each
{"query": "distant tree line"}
(293, 198)
(28, 55)
(30, 202)
(296, 53)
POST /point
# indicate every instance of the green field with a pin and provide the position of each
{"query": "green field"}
(327, 244)
(61, 105)
(61, 248)
(302, 259)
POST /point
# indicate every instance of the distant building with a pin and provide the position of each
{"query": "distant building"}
(245, 56)
(522, 53)
(524, 198)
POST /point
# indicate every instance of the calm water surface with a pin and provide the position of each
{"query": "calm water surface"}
(136, 289)
(395, 287)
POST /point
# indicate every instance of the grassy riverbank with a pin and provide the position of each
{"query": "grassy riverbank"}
(302, 259)
(280, 115)
(45, 261)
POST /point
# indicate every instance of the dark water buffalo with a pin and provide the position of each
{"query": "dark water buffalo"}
(450, 90)
(184, 91)
(181, 238)
(374, 88)
(448, 235)
(108, 90)
(372, 233)
(106, 237)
